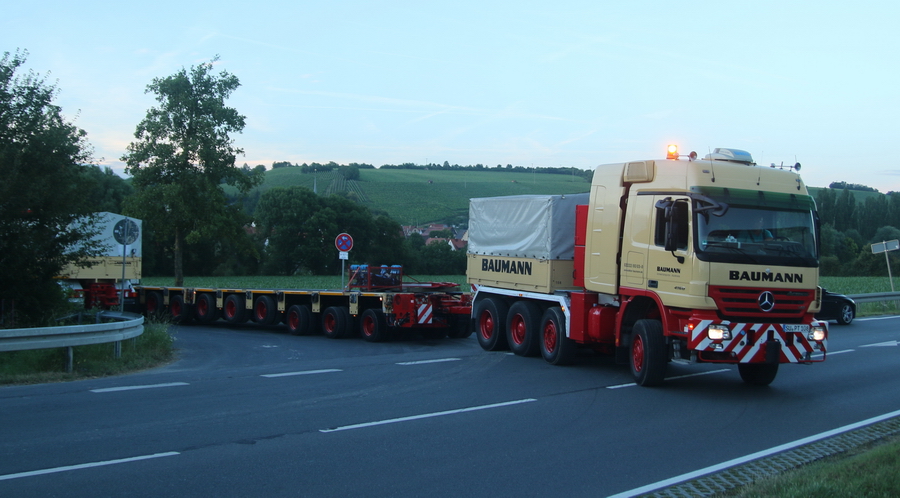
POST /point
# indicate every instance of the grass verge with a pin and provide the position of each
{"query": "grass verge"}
(867, 471)
(152, 348)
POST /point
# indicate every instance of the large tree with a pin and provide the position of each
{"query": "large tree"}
(183, 155)
(45, 209)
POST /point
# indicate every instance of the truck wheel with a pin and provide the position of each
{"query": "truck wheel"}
(153, 303)
(264, 310)
(373, 326)
(235, 309)
(758, 374)
(299, 320)
(179, 310)
(490, 323)
(460, 327)
(556, 348)
(846, 315)
(205, 308)
(648, 353)
(336, 322)
(522, 331)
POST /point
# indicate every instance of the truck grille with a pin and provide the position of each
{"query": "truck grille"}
(744, 303)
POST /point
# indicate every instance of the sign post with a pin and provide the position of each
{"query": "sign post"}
(125, 232)
(890, 245)
(343, 242)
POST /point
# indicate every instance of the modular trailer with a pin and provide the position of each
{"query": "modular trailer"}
(673, 260)
(378, 303)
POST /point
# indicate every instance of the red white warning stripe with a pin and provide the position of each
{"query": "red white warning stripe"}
(747, 340)
(423, 313)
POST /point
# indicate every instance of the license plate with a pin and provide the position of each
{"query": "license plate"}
(796, 328)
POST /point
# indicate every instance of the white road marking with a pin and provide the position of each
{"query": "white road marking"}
(676, 377)
(305, 372)
(131, 388)
(427, 415)
(754, 456)
(832, 353)
(880, 344)
(85, 466)
(423, 362)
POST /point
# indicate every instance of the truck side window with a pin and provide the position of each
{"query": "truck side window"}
(678, 214)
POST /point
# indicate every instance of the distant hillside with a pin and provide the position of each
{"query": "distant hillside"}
(412, 196)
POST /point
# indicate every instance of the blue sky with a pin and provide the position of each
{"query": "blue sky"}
(523, 83)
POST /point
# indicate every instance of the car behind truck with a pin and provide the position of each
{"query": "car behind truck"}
(671, 260)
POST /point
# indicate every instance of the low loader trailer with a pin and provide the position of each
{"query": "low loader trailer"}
(378, 303)
(681, 259)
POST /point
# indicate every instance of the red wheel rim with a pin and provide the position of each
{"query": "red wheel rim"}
(261, 310)
(550, 337)
(294, 320)
(202, 307)
(637, 353)
(517, 327)
(230, 309)
(368, 326)
(486, 325)
(175, 308)
(329, 322)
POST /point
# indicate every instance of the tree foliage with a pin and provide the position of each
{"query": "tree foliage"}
(45, 212)
(182, 155)
(299, 228)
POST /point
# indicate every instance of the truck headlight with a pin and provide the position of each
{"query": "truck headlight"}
(718, 332)
(817, 333)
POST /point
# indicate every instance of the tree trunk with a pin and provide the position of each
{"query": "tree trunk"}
(178, 256)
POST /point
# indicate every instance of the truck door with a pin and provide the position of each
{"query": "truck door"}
(668, 261)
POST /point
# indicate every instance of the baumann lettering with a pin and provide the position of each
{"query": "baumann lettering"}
(506, 266)
(666, 269)
(760, 276)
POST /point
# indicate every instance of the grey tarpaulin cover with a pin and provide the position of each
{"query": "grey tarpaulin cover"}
(525, 226)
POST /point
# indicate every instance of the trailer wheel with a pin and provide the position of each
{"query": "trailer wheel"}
(556, 348)
(235, 309)
(373, 326)
(758, 374)
(648, 353)
(336, 322)
(522, 332)
(153, 303)
(205, 308)
(460, 327)
(432, 334)
(264, 310)
(179, 310)
(490, 323)
(299, 320)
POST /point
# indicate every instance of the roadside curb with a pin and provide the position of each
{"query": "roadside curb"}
(747, 473)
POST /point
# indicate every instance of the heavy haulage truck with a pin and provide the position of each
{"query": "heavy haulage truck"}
(378, 302)
(673, 260)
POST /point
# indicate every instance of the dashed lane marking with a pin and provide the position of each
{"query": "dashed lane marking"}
(85, 466)
(427, 415)
(132, 388)
(304, 372)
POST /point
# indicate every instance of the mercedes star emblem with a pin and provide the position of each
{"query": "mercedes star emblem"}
(766, 301)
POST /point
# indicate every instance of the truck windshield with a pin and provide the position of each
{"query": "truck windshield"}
(772, 229)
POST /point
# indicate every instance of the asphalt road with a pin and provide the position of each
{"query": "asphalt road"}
(255, 412)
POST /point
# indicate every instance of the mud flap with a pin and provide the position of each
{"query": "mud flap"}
(773, 351)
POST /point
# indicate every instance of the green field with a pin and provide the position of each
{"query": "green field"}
(413, 196)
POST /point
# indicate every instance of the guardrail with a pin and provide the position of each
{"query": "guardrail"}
(126, 326)
(874, 297)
